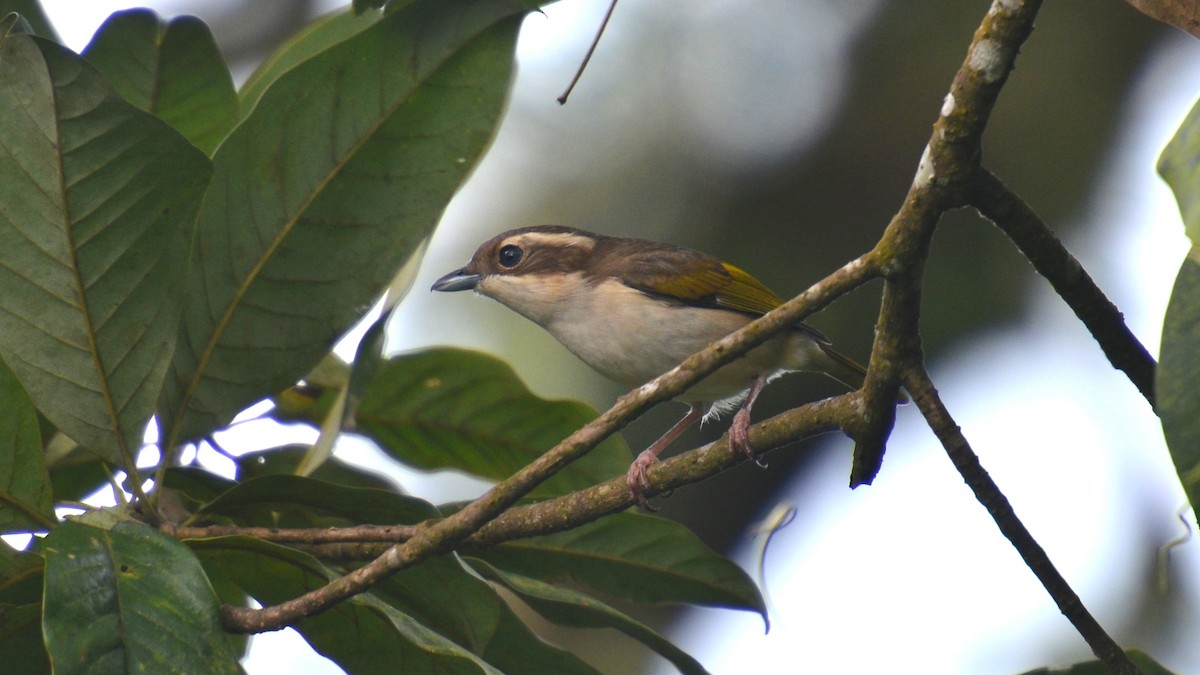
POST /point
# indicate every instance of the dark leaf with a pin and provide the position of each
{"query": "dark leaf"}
(1176, 393)
(320, 194)
(170, 68)
(145, 602)
(99, 199)
(454, 408)
(569, 607)
(285, 460)
(514, 648)
(362, 634)
(632, 556)
(26, 504)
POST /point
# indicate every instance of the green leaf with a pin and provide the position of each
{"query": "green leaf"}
(198, 485)
(31, 11)
(26, 504)
(443, 595)
(315, 38)
(20, 576)
(1141, 659)
(516, 649)
(571, 608)
(324, 190)
(1179, 165)
(21, 646)
(99, 199)
(284, 460)
(632, 556)
(454, 408)
(1176, 393)
(172, 69)
(129, 599)
(259, 498)
(362, 634)
(77, 475)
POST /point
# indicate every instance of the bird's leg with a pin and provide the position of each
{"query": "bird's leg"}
(739, 430)
(637, 479)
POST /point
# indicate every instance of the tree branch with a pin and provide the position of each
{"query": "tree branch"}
(1072, 283)
(442, 536)
(565, 512)
(921, 388)
(948, 176)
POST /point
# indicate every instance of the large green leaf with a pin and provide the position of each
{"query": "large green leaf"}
(454, 408)
(1177, 398)
(632, 556)
(315, 38)
(99, 199)
(362, 634)
(172, 69)
(129, 599)
(569, 607)
(1176, 391)
(1179, 165)
(321, 193)
(25, 500)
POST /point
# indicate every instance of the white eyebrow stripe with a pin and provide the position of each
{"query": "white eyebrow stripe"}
(529, 239)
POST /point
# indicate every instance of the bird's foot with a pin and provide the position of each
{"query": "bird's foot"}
(739, 437)
(638, 478)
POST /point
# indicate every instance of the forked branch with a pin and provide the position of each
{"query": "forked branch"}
(949, 175)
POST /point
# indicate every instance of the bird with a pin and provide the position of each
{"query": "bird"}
(633, 309)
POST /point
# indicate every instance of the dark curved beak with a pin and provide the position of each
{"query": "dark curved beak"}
(458, 280)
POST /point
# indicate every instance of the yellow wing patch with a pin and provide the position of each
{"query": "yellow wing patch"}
(745, 293)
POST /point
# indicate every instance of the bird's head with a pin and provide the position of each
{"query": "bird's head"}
(532, 270)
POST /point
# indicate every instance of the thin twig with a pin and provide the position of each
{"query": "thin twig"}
(921, 388)
(1072, 283)
(562, 100)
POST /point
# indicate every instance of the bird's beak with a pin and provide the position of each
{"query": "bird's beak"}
(458, 280)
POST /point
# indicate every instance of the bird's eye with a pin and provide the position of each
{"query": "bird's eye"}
(511, 255)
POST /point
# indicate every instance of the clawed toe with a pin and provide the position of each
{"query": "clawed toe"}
(739, 438)
(638, 478)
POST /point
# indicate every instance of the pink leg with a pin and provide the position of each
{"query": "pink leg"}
(637, 479)
(739, 430)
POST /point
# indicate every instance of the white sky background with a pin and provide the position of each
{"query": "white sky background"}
(935, 584)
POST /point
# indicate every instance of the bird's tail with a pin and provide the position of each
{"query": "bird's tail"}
(848, 371)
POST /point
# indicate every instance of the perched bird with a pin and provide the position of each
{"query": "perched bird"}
(633, 309)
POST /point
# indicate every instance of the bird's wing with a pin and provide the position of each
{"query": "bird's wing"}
(745, 293)
(700, 280)
(693, 278)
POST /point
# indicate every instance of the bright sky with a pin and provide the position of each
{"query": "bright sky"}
(934, 583)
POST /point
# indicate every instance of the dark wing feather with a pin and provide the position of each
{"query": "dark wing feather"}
(692, 278)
